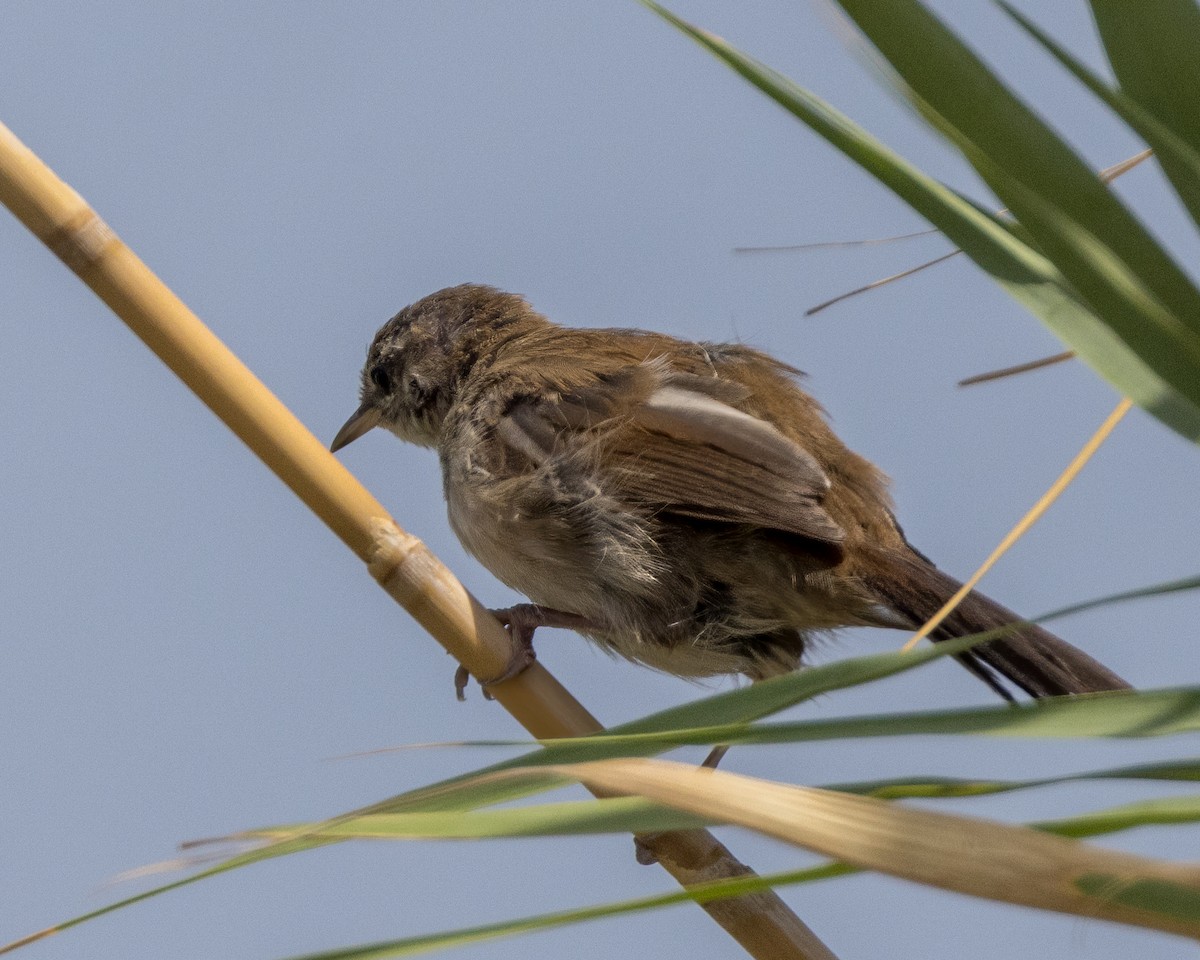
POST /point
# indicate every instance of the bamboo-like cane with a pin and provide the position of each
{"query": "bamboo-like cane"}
(401, 563)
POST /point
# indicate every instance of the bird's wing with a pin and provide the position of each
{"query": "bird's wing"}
(674, 443)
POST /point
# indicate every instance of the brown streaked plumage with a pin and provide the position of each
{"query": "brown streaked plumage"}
(685, 504)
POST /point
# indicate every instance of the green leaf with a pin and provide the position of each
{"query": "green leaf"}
(981, 858)
(763, 699)
(991, 124)
(1153, 52)
(1145, 813)
(1179, 158)
(637, 815)
(610, 815)
(473, 790)
(1109, 335)
(1148, 896)
(1101, 248)
(1121, 715)
(700, 893)
(1175, 771)
(1167, 811)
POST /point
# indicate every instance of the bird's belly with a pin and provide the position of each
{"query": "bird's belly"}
(650, 600)
(691, 660)
(553, 554)
(507, 546)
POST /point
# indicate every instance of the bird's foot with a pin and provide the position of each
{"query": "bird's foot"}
(521, 621)
(462, 677)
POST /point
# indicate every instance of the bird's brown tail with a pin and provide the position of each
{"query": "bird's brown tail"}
(1031, 658)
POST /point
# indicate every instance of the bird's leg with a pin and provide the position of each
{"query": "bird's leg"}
(462, 676)
(715, 755)
(642, 846)
(521, 621)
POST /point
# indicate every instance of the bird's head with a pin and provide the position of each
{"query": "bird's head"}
(420, 358)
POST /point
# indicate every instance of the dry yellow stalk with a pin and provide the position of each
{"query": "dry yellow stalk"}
(965, 854)
(410, 573)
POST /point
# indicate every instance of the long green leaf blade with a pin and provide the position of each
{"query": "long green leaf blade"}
(1021, 270)
(896, 788)
(1125, 715)
(1101, 248)
(1173, 810)
(637, 815)
(990, 120)
(703, 893)
(1153, 49)
(1179, 158)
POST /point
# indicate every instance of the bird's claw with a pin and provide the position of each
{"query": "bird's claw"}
(462, 677)
(520, 621)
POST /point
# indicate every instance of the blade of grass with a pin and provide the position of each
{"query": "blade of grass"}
(1124, 715)
(1154, 55)
(570, 818)
(1169, 811)
(1101, 248)
(980, 858)
(989, 122)
(700, 893)
(1161, 811)
(1023, 271)
(1092, 824)
(1179, 157)
(637, 815)
(741, 705)
(671, 727)
(642, 814)
(475, 790)
(1175, 771)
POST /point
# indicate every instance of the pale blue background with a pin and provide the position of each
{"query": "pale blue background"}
(184, 646)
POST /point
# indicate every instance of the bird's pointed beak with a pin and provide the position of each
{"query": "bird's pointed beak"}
(362, 420)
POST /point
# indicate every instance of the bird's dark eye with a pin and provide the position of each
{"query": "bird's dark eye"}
(380, 378)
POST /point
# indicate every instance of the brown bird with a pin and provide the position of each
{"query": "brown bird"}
(684, 505)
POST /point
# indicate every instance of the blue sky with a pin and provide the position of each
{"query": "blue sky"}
(186, 647)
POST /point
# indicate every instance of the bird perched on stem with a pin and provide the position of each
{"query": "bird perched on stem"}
(685, 505)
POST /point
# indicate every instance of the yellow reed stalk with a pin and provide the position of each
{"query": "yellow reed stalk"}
(401, 563)
(1027, 521)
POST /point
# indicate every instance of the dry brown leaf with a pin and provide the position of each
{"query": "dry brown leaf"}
(982, 858)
